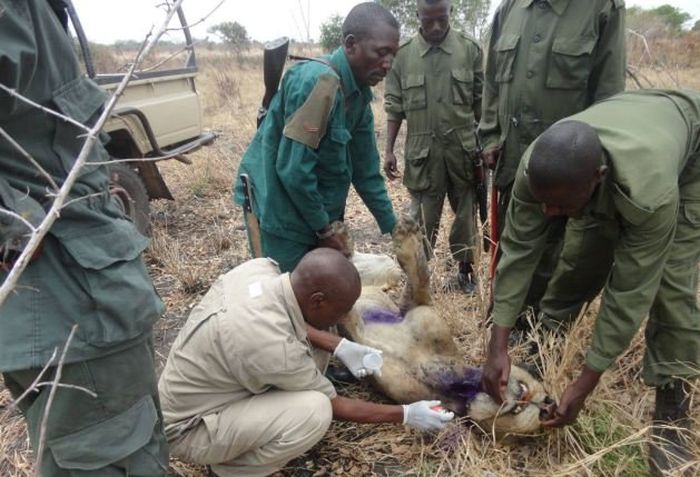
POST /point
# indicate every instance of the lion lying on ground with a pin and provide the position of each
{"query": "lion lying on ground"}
(421, 360)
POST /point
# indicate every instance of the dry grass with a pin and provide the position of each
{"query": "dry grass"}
(200, 235)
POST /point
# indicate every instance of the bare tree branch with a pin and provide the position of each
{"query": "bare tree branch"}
(49, 401)
(17, 216)
(14, 93)
(190, 25)
(92, 137)
(32, 387)
(28, 156)
(67, 386)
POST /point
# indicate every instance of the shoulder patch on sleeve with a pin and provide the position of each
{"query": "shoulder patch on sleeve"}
(308, 123)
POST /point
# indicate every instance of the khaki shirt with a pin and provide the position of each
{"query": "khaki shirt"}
(245, 337)
(546, 60)
(651, 139)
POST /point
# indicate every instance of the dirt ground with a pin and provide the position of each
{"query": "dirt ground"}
(200, 235)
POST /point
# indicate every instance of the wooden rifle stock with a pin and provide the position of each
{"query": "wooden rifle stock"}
(251, 220)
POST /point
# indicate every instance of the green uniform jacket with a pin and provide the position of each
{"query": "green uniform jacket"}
(317, 139)
(649, 137)
(90, 271)
(438, 91)
(546, 60)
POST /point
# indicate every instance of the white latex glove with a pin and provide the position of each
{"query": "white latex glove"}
(351, 354)
(420, 415)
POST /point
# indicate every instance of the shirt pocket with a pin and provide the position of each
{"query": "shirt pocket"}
(506, 49)
(416, 175)
(120, 301)
(462, 85)
(570, 63)
(81, 100)
(413, 92)
(333, 156)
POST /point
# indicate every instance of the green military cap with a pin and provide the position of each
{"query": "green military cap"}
(14, 233)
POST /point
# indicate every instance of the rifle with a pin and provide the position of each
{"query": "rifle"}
(481, 179)
(274, 57)
(253, 226)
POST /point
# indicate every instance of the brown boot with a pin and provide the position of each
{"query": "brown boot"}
(669, 451)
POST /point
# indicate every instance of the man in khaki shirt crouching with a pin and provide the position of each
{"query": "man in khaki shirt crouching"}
(242, 391)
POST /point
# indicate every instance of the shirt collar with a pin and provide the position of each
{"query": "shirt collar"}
(347, 79)
(557, 5)
(447, 44)
(293, 310)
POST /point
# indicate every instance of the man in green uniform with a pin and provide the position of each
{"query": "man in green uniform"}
(546, 60)
(243, 389)
(630, 165)
(435, 85)
(89, 271)
(318, 138)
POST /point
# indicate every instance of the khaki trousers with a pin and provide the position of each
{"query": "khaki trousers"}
(259, 435)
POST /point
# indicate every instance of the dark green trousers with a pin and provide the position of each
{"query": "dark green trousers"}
(449, 174)
(117, 433)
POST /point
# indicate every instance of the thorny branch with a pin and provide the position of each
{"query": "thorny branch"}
(92, 137)
(28, 157)
(49, 401)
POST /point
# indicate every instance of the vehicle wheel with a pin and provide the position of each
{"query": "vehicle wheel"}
(126, 186)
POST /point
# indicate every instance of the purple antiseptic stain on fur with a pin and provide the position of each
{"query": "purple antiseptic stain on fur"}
(381, 316)
(467, 385)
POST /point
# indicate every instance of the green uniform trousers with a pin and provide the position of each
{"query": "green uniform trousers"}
(426, 205)
(673, 330)
(117, 433)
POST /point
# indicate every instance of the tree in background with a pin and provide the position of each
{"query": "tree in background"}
(657, 21)
(696, 27)
(470, 16)
(232, 33)
(331, 33)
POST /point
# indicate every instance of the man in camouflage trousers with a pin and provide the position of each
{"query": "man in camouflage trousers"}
(88, 272)
(435, 85)
(546, 59)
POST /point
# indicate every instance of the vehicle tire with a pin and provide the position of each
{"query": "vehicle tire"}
(127, 187)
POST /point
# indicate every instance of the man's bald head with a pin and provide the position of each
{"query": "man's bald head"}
(565, 166)
(326, 286)
(362, 20)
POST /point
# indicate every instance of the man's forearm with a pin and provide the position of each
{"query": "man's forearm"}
(392, 131)
(322, 339)
(356, 410)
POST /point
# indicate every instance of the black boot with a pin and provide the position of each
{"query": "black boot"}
(466, 280)
(669, 451)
